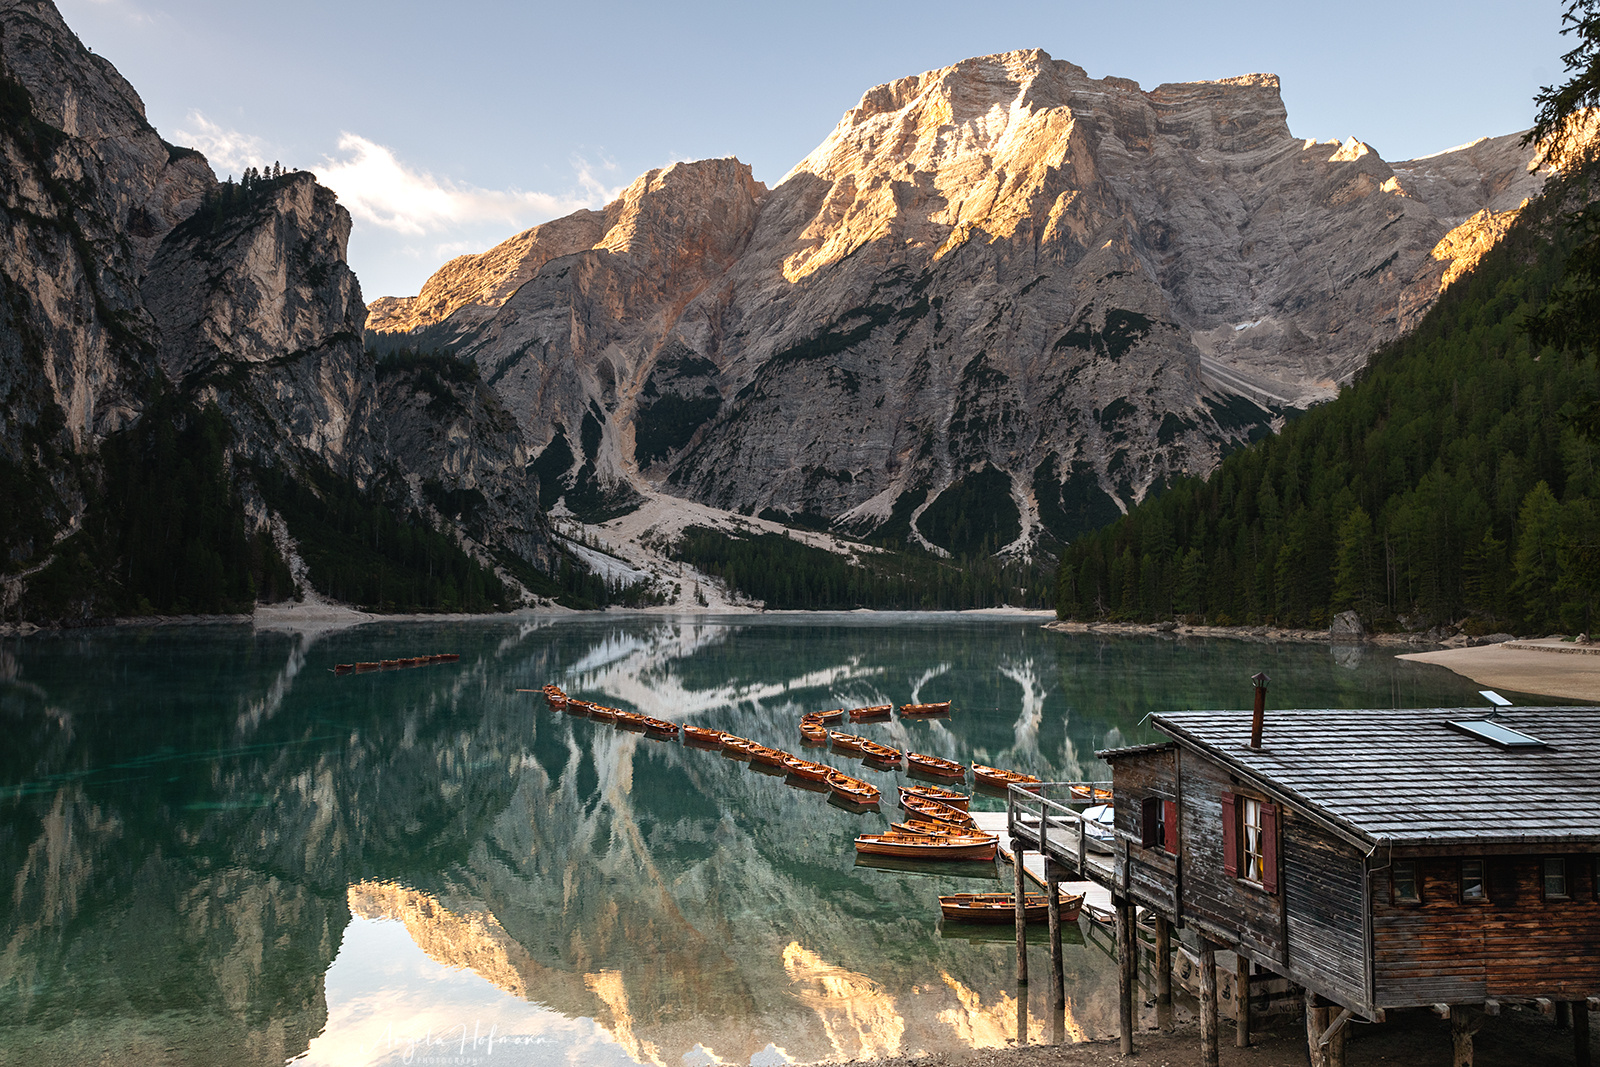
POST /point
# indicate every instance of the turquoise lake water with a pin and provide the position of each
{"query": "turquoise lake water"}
(216, 850)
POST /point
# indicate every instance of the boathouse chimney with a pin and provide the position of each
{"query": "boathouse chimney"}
(1258, 720)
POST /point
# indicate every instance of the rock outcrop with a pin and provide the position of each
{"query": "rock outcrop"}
(87, 192)
(1002, 285)
(129, 273)
(259, 312)
(462, 455)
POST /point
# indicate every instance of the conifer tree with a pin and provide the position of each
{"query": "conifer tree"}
(1563, 126)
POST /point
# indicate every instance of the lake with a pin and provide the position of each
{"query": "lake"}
(216, 850)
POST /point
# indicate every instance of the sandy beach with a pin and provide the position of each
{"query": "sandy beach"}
(1545, 667)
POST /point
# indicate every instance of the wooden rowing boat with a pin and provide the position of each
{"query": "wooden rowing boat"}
(660, 727)
(366, 666)
(628, 720)
(699, 735)
(847, 742)
(343, 668)
(932, 809)
(936, 765)
(959, 801)
(880, 753)
(601, 713)
(738, 747)
(825, 716)
(772, 757)
(574, 706)
(813, 731)
(1000, 779)
(921, 846)
(555, 698)
(852, 789)
(936, 829)
(809, 770)
(876, 711)
(940, 708)
(1002, 907)
(1084, 792)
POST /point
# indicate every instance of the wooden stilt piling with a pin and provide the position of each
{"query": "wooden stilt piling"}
(1462, 1027)
(1336, 1043)
(1580, 1033)
(1058, 982)
(1241, 1000)
(1208, 1003)
(1022, 1014)
(1022, 916)
(1127, 970)
(1164, 972)
(1316, 1023)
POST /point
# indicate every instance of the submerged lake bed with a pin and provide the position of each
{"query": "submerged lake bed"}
(221, 849)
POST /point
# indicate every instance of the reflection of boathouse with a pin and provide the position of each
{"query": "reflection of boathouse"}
(1377, 859)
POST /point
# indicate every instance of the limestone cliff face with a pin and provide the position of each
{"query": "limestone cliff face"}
(569, 346)
(463, 456)
(1003, 280)
(127, 270)
(259, 312)
(87, 191)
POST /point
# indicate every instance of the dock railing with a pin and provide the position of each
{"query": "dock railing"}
(1034, 808)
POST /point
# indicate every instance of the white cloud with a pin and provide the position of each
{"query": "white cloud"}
(228, 151)
(378, 188)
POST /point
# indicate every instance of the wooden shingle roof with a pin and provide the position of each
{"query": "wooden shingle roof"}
(1406, 777)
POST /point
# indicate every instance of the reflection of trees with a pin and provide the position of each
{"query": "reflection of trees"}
(200, 805)
(184, 842)
(689, 889)
(1109, 683)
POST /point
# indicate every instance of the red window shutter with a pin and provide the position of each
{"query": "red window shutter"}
(1269, 846)
(1172, 826)
(1230, 837)
(1147, 825)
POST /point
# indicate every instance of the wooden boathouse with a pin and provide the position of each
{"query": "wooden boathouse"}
(1444, 858)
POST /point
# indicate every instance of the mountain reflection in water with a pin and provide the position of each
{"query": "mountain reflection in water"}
(218, 849)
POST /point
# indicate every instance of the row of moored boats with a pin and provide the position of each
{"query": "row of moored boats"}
(938, 823)
(395, 664)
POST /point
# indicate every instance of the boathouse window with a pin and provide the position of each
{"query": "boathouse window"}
(1555, 878)
(1250, 840)
(1403, 882)
(1473, 890)
(1250, 822)
(1159, 827)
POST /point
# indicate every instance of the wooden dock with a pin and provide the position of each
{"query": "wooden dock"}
(1033, 863)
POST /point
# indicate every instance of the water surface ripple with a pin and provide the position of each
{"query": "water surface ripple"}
(218, 850)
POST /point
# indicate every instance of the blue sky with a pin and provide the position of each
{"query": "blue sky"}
(446, 128)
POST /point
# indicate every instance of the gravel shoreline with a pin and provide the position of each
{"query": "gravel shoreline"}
(1267, 634)
(1517, 1037)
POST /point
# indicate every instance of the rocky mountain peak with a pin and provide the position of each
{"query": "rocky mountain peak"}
(683, 203)
(260, 312)
(473, 286)
(130, 180)
(1028, 293)
(675, 219)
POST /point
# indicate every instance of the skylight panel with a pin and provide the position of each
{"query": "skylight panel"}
(1496, 733)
